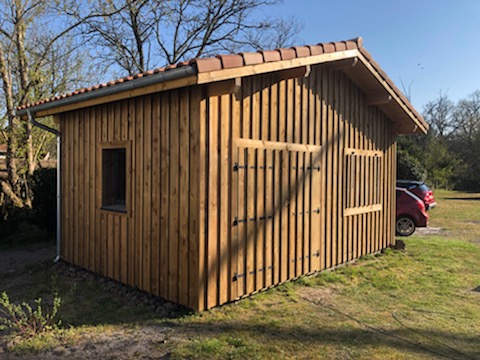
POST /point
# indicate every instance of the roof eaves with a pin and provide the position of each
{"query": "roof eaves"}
(126, 86)
(224, 67)
(400, 97)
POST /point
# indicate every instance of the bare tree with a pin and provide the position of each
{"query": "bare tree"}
(439, 114)
(467, 116)
(136, 35)
(33, 50)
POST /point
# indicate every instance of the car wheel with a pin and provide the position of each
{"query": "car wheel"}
(405, 226)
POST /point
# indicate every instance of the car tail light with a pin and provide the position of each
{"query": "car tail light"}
(430, 195)
(421, 205)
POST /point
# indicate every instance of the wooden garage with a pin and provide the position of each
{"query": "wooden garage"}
(213, 179)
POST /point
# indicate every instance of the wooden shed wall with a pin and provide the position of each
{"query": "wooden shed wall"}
(154, 245)
(267, 214)
(231, 194)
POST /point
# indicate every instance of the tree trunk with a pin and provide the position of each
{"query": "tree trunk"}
(7, 190)
(24, 83)
(13, 178)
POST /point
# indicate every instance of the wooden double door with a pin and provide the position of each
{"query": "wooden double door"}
(276, 227)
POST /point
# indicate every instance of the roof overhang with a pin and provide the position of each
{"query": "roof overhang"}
(356, 63)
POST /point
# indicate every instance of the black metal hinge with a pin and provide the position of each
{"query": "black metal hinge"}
(237, 167)
(237, 276)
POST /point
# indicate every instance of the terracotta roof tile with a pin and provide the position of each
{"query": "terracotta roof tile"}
(231, 61)
(271, 55)
(287, 54)
(340, 46)
(252, 58)
(328, 48)
(316, 49)
(183, 63)
(351, 44)
(170, 67)
(302, 51)
(207, 64)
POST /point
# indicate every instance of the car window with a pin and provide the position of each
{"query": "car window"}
(423, 188)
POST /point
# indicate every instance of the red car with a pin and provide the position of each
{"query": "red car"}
(420, 189)
(411, 213)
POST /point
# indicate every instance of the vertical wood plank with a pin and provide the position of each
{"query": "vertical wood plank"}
(98, 190)
(183, 258)
(283, 184)
(306, 130)
(147, 193)
(299, 181)
(241, 224)
(139, 188)
(329, 170)
(117, 249)
(110, 245)
(291, 176)
(104, 237)
(173, 214)
(267, 178)
(132, 195)
(250, 164)
(349, 166)
(321, 89)
(246, 238)
(342, 238)
(85, 189)
(68, 185)
(315, 178)
(335, 168)
(234, 206)
(212, 204)
(224, 242)
(155, 183)
(194, 197)
(274, 184)
(164, 193)
(259, 174)
(203, 183)
(76, 183)
(123, 249)
(91, 188)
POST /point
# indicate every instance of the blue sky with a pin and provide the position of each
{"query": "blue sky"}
(430, 45)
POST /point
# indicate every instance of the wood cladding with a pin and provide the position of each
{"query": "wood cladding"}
(153, 245)
(229, 194)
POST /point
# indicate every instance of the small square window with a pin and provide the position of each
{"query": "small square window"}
(114, 179)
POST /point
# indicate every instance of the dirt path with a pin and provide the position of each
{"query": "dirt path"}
(133, 342)
(12, 261)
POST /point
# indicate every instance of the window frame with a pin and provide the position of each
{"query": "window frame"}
(353, 185)
(113, 145)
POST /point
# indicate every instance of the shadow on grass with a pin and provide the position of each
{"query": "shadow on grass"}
(92, 299)
(412, 340)
(87, 299)
(463, 198)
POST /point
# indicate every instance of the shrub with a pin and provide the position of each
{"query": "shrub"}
(44, 205)
(28, 321)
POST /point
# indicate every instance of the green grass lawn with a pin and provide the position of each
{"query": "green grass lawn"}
(419, 303)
